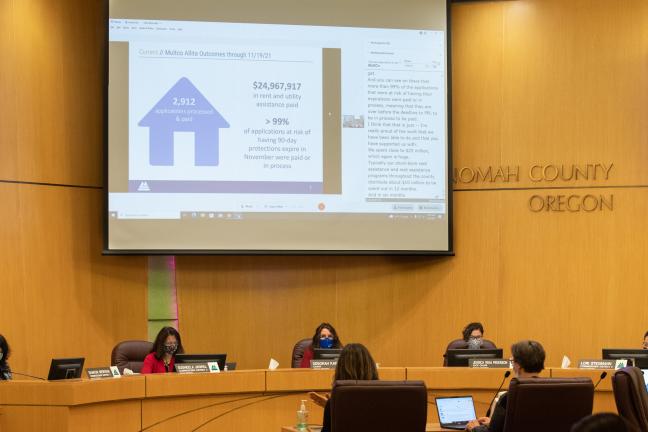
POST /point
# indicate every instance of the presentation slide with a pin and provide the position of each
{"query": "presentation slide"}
(263, 136)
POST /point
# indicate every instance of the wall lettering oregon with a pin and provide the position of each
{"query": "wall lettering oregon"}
(553, 174)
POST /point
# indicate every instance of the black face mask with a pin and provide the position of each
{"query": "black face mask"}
(170, 349)
(475, 342)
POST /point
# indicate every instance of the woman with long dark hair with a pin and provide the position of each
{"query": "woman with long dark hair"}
(325, 337)
(5, 370)
(162, 357)
(355, 363)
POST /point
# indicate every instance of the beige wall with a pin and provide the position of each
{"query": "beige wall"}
(535, 82)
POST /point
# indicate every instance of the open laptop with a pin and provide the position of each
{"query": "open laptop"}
(455, 412)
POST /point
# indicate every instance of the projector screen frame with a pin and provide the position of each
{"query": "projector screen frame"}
(157, 252)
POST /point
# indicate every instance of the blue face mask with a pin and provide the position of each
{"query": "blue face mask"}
(326, 343)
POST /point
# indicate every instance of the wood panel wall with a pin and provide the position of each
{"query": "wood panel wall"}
(60, 297)
(534, 82)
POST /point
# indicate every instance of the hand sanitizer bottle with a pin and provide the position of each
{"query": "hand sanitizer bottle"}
(302, 417)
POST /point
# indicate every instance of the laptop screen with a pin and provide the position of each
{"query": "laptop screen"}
(645, 373)
(454, 410)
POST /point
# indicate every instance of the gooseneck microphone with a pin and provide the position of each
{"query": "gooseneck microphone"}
(26, 375)
(603, 375)
(506, 375)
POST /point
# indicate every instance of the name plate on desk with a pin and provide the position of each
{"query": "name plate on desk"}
(189, 368)
(323, 364)
(103, 372)
(602, 364)
(489, 363)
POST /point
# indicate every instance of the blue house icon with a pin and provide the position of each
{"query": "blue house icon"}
(183, 109)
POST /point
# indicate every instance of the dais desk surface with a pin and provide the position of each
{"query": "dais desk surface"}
(260, 400)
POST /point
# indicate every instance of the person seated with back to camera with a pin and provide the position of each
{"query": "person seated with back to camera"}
(325, 337)
(603, 422)
(5, 370)
(162, 357)
(528, 362)
(472, 338)
(355, 363)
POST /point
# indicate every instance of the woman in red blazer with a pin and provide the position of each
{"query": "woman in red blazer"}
(161, 359)
(325, 337)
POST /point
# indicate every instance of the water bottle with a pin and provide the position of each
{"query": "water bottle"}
(302, 417)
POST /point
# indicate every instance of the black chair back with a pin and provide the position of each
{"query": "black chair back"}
(547, 404)
(378, 406)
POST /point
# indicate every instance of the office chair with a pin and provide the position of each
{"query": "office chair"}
(378, 405)
(298, 351)
(462, 344)
(130, 354)
(547, 404)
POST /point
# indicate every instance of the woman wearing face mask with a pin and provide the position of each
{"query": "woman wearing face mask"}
(472, 338)
(528, 362)
(5, 370)
(325, 337)
(161, 359)
(473, 335)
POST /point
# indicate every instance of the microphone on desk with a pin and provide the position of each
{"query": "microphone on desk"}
(603, 375)
(26, 375)
(506, 375)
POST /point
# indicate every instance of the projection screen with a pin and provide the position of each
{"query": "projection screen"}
(291, 126)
